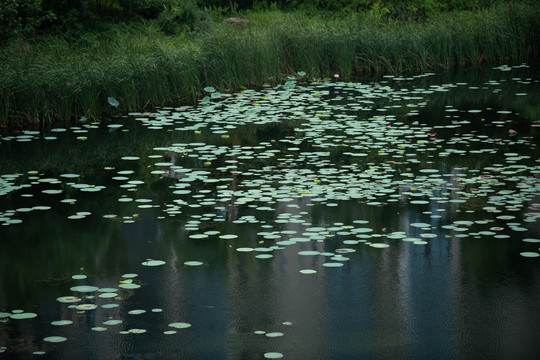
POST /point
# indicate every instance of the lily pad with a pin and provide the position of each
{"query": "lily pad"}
(112, 322)
(274, 334)
(379, 245)
(332, 264)
(273, 355)
(68, 299)
(84, 288)
(193, 263)
(153, 262)
(129, 286)
(136, 312)
(62, 322)
(180, 325)
(55, 339)
(112, 101)
(23, 316)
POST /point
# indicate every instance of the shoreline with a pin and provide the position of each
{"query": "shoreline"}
(50, 81)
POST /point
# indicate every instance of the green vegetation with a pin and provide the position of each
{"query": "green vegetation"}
(163, 52)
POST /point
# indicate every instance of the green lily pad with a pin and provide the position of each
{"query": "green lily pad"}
(68, 299)
(23, 316)
(153, 262)
(379, 245)
(84, 288)
(62, 322)
(112, 101)
(274, 334)
(193, 263)
(332, 264)
(112, 322)
(273, 355)
(180, 325)
(55, 339)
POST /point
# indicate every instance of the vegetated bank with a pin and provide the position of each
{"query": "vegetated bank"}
(53, 80)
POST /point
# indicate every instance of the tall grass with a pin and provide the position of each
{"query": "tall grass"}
(53, 81)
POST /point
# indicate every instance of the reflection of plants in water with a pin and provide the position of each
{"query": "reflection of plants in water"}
(488, 269)
(61, 252)
(70, 155)
(193, 195)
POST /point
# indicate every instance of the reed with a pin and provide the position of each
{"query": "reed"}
(54, 81)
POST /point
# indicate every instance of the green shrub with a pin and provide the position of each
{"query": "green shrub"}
(72, 17)
(147, 9)
(182, 16)
(21, 17)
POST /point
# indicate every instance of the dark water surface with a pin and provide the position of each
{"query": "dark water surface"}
(423, 191)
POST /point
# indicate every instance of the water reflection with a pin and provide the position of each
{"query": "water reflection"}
(426, 165)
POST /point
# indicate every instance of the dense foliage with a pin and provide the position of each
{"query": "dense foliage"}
(62, 59)
(57, 80)
(22, 17)
(71, 18)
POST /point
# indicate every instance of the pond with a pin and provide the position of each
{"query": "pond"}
(388, 217)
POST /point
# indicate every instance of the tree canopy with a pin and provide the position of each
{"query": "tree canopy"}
(72, 17)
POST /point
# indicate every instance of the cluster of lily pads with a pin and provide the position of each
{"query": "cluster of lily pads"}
(385, 157)
(86, 298)
(345, 142)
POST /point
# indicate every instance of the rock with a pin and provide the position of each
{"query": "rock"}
(236, 21)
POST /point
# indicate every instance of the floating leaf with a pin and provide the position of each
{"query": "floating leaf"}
(379, 245)
(68, 299)
(113, 102)
(55, 339)
(62, 322)
(23, 316)
(180, 325)
(84, 288)
(309, 253)
(136, 312)
(112, 322)
(274, 334)
(332, 264)
(273, 355)
(153, 262)
(129, 286)
(193, 263)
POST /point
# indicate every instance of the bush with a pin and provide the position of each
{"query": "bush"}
(73, 17)
(21, 17)
(147, 9)
(182, 16)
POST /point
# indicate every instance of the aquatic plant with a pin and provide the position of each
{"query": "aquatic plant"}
(54, 81)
